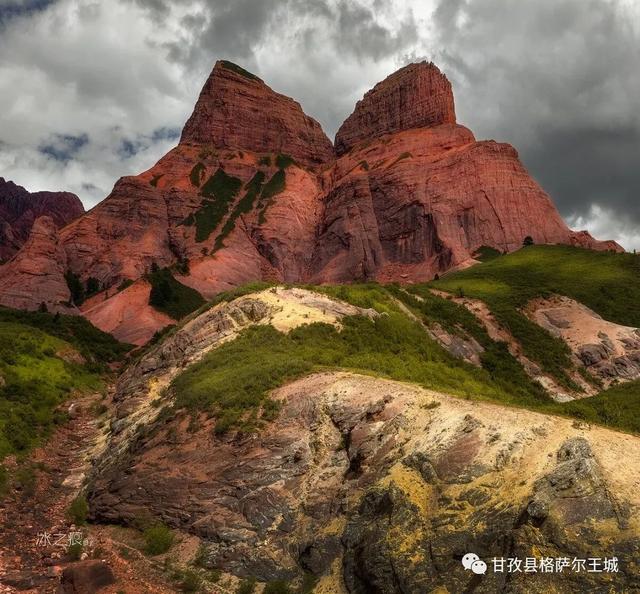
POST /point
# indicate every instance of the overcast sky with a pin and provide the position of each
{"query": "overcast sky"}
(91, 91)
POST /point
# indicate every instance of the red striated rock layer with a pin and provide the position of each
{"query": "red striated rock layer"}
(412, 195)
(236, 110)
(19, 209)
(35, 276)
(415, 96)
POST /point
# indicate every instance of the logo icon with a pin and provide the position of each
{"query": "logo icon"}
(472, 562)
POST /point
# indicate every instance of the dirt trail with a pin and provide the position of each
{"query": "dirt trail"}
(35, 530)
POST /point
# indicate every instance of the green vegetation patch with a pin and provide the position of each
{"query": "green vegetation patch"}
(158, 539)
(606, 282)
(196, 174)
(78, 511)
(283, 161)
(96, 346)
(244, 205)
(80, 291)
(218, 192)
(401, 157)
(35, 381)
(238, 70)
(172, 297)
(618, 406)
(486, 253)
(276, 185)
(155, 179)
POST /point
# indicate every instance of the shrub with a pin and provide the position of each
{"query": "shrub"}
(528, 240)
(283, 161)
(158, 539)
(196, 174)
(78, 510)
(74, 551)
(247, 586)
(188, 580)
(171, 296)
(75, 287)
(277, 587)
(25, 479)
(4, 481)
(93, 286)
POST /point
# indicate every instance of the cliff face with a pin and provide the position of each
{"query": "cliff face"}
(237, 110)
(37, 272)
(255, 191)
(416, 96)
(19, 209)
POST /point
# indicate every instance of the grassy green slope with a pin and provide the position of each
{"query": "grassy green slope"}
(96, 346)
(37, 375)
(606, 282)
(233, 381)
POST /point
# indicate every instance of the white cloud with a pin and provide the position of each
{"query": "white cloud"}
(607, 224)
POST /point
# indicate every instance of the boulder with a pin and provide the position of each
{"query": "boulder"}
(86, 577)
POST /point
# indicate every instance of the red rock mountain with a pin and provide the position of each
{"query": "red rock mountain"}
(254, 190)
(19, 209)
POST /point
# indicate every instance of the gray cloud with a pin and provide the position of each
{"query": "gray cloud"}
(556, 78)
(560, 81)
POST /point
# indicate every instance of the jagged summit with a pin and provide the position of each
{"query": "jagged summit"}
(416, 96)
(237, 110)
(19, 209)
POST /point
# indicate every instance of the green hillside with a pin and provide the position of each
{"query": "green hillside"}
(45, 358)
(233, 381)
(606, 282)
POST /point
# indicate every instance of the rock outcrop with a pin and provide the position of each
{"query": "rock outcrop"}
(37, 272)
(416, 96)
(378, 486)
(610, 352)
(254, 191)
(19, 209)
(237, 110)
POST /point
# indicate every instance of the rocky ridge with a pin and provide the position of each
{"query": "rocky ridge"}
(19, 210)
(255, 191)
(369, 484)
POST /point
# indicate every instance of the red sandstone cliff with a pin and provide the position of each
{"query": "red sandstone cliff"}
(254, 191)
(416, 96)
(237, 110)
(19, 209)
(37, 272)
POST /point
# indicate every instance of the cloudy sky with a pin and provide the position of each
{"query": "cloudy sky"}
(91, 91)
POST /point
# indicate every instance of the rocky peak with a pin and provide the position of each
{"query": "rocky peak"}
(20, 208)
(237, 110)
(416, 96)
